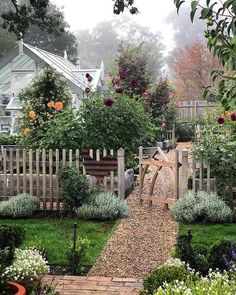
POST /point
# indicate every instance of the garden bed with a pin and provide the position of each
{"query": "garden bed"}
(55, 236)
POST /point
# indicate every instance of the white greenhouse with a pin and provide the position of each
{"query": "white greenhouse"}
(23, 64)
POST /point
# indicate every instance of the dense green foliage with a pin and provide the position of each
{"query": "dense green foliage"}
(218, 141)
(200, 257)
(55, 235)
(124, 123)
(74, 188)
(201, 207)
(41, 101)
(75, 255)
(20, 16)
(103, 206)
(64, 132)
(9, 140)
(162, 275)
(22, 205)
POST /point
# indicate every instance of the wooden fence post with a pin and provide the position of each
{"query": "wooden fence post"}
(140, 149)
(176, 174)
(184, 172)
(121, 173)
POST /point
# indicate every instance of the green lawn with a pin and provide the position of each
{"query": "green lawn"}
(56, 235)
(208, 234)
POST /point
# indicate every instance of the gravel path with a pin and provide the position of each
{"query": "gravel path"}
(143, 241)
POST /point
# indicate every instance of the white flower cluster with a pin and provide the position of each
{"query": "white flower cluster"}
(28, 264)
(215, 283)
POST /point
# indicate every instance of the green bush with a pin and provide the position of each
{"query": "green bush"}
(11, 236)
(64, 132)
(22, 205)
(124, 123)
(217, 251)
(218, 141)
(164, 274)
(75, 257)
(203, 207)
(9, 140)
(74, 188)
(103, 206)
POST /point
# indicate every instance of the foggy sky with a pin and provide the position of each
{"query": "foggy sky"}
(84, 14)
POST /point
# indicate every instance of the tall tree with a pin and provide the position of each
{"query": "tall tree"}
(55, 44)
(18, 18)
(191, 68)
(221, 40)
(185, 32)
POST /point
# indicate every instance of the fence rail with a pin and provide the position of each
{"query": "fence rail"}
(37, 172)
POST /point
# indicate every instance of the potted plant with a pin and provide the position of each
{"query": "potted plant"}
(10, 237)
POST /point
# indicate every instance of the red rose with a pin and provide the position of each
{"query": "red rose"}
(221, 120)
(108, 101)
(87, 90)
(233, 116)
(119, 89)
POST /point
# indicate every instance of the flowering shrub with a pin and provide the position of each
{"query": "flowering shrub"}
(102, 207)
(41, 101)
(214, 283)
(165, 274)
(124, 123)
(202, 207)
(28, 265)
(22, 205)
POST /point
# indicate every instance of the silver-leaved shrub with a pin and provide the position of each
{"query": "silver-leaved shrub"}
(22, 205)
(202, 207)
(103, 206)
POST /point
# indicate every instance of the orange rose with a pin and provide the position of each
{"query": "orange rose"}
(58, 106)
(26, 131)
(50, 104)
(227, 114)
(32, 115)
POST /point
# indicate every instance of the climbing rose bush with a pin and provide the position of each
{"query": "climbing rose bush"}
(41, 101)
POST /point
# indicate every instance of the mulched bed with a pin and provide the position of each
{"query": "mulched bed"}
(142, 242)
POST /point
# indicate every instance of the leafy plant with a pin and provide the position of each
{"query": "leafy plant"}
(9, 140)
(75, 256)
(74, 188)
(106, 126)
(64, 132)
(217, 251)
(103, 206)
(218, 141)
(202, 207)
(22, 205)
(11, 236)
(163, 275)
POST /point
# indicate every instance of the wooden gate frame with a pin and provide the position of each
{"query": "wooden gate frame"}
(159, 164)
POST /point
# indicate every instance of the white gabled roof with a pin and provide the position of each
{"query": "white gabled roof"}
(59, 63)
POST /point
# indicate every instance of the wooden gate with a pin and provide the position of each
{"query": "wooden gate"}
(159, 164)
